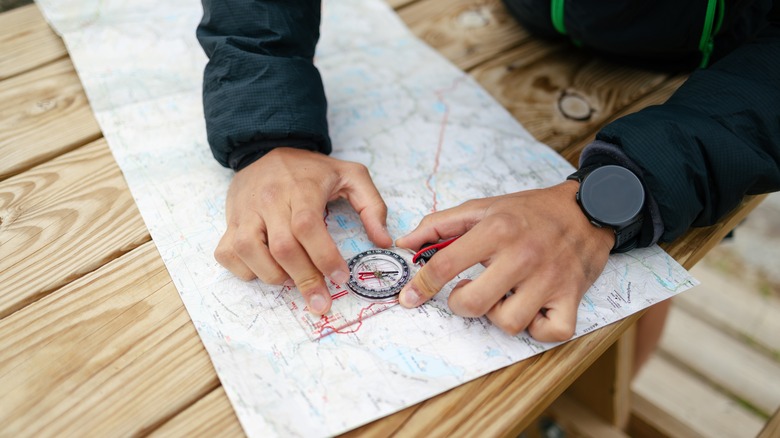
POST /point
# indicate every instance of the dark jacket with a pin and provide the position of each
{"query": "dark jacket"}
(715, 140)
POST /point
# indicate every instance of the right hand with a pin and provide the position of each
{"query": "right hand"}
(275, 227)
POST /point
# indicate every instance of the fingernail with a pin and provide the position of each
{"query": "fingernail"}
(339, 277)
(317, 303)
(409, 296)
(289, 282)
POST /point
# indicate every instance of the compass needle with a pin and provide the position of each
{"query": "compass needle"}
(377, 274)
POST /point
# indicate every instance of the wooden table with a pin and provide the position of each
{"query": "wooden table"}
(94, 338)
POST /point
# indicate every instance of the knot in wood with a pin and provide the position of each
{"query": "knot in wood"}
(574, 107)
(475, 17)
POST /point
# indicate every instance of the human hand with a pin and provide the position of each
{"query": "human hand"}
(275, 227)
(537, 244)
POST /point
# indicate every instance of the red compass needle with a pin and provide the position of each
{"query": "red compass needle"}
(374, 274)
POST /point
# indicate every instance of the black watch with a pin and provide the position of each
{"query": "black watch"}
(612, 196)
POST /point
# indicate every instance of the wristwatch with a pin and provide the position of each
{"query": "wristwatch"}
(612, 196)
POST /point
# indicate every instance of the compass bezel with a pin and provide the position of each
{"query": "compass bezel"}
(384, 294)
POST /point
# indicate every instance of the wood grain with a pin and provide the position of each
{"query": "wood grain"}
(772, 427)
(720, 300)
(656, 97)
(578, 421)
(63, 219)
(467, 32)
(397, 4)
(662, 391)
(730, 364)
(26, 41)
(697, 242)
(43, 113)
(113, 353)
(210, 416)
(537, 81)
(605, 387)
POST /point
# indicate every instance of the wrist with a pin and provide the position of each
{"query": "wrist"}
(604, 235)
(613, 197)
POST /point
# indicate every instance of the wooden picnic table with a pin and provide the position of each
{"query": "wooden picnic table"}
(94, 339)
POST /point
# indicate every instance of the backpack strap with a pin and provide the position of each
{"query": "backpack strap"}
(706, 42)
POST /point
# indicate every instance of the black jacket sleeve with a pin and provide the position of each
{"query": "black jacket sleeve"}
(715, 140)
(260, 86)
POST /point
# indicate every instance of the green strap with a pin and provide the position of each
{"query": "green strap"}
(556, 11)
(707, 43)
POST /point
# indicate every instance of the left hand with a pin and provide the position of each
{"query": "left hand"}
(537, 244)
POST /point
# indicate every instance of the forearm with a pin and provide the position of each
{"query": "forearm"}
(715, 140)
(260, 86)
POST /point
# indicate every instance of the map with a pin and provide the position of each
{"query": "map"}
(394, 104)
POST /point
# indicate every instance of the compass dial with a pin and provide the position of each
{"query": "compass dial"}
(377, 274)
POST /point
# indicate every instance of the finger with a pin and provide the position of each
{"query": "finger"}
(443, 225)
(514, 313)
(476, 298)
(226, 256)
(290, 255)
(250, 246)
(364, 197)
(443, 267)
(558, 322)
(310, 231)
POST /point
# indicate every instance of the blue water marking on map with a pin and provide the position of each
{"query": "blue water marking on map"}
(493, 352)
(467, 148)
(586, 300)
(345, 223)
(418, 364)
(379, 112)
(440, 107)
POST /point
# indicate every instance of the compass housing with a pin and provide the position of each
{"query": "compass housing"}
(377, 275)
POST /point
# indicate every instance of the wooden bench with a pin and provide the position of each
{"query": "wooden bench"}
(93, 335)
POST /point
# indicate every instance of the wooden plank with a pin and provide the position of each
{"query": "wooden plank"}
(772, 427)
(212, 415)
(467, 32)
(656, 97)
(680, 405)
(723, 302)
(721, 359)
(649, 420)
(27, 41)
(43, 113)
(696, 242)
(77, 204)
(114, 353)
(397, 4)
(578, 421)
(565, 96)
(605, 387)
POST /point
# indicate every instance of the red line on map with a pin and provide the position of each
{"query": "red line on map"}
(346, 332)
(442, 128)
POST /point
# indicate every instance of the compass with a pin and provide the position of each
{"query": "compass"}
(377, 274)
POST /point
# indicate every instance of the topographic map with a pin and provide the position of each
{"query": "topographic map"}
(432, 139)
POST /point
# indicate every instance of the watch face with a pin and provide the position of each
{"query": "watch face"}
(612, 196)
(377, 274)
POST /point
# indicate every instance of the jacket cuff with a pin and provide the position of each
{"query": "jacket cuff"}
(249, 152)
(601, 152)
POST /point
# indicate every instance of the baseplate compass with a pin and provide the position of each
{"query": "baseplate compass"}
(378, 274)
